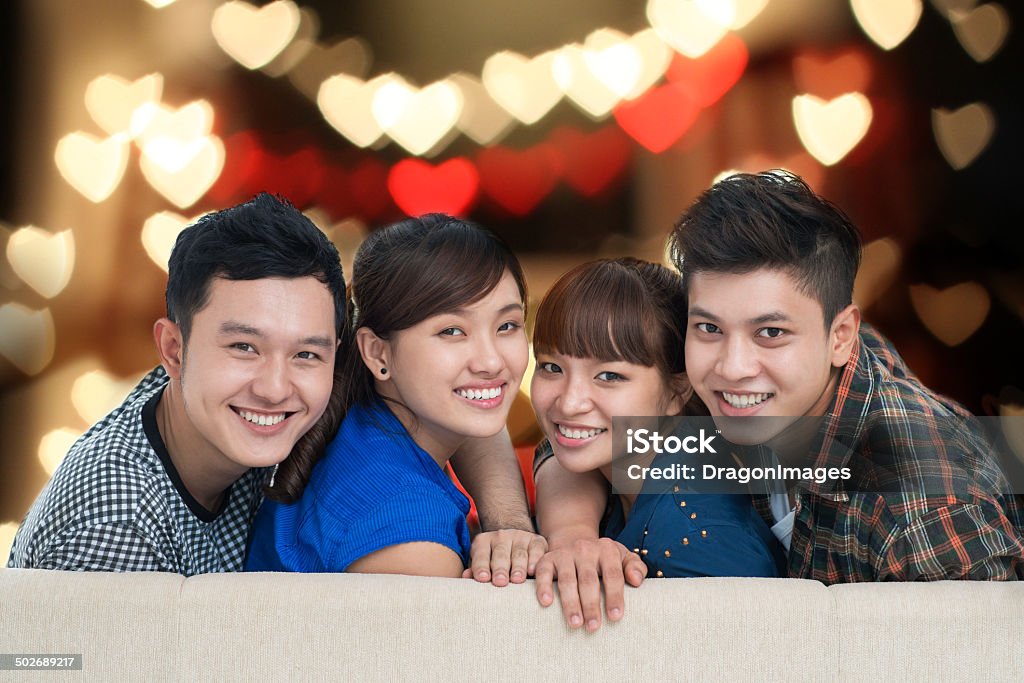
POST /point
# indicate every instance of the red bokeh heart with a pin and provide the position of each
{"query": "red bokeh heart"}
(830, 75)
(419, 187)
(591, 161)
(297, 177)
(244, 163)
(659, 117)
(712, 74)
(517, 180)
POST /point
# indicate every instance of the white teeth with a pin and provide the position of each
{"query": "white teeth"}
(745, 400)
(578, 433)
(260, 419)
(479, 394)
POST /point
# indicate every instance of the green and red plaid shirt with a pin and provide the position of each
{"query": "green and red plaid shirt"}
(927, 500)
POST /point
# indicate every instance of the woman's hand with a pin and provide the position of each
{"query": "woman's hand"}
(580, 568)
(505, 555)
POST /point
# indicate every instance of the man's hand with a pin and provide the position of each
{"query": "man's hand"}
(504, 555)
(579, 568)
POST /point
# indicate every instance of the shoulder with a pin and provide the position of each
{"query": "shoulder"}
(108, 477)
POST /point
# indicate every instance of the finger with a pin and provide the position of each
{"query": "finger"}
(480, 558)
(501, 562)
(589, 594)
(568, 593)
(538, 546)
(614, 585)
(519, 559)
(467, 573)
(543, 576)
(634, 569)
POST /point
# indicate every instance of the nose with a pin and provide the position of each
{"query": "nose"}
(486, 358)
(576, 399)
(273, 381)
(737, 359)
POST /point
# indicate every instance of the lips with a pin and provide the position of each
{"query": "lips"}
(263, 422)
(483, 396)
(735, 404)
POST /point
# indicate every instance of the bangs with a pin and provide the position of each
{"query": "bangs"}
(597, 310)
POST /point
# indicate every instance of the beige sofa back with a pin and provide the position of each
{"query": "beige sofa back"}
(359, 627)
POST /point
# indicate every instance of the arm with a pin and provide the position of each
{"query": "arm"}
(104, 548)
(489, 470)
(972, 541)
(413, 559)
(569, 510)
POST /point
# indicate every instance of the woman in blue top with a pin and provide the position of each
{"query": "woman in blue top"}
(609, 342)
(435, 353)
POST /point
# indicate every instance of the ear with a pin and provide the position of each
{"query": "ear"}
(844, 335)
(682, 391)
(170, 345)
(376, 352)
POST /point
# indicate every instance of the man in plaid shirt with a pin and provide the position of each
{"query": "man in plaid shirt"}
(773, 331)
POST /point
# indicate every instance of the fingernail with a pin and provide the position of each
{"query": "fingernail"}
(592, 625)
(546, 597)
(615, 613)
(482, 575)
(575, 620)
(517, 575)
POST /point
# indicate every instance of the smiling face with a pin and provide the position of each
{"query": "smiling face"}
(757, 345)
(257, 369)
(455, 373)
(576, 398)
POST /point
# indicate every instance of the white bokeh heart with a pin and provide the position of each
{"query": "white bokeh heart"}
(92, 166)
(253, 36)
(829, 129)
(43, 260)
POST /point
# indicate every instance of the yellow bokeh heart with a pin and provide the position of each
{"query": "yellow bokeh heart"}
(159, 233)
(655, 56)
(981, 31)
(964, 133)
(351, 56)
(689, 26)
(579, 81)
(253, 36)
(880, 262)
(153, 122)
(185, 185)
(346, 102)
(96, 393)
(524, 86)
(887, 22)
(111, 100)
(92, 166)
(54, 446)
(27, 337)
(482, 119)
(417, 119)
(829, 129)
(43, 260)
(951, 314)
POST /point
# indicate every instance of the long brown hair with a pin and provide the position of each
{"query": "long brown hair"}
(401, 275)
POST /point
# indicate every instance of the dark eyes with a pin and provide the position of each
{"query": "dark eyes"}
(249, 348)
(509, 326)
(452, 332)
(770, 332)
(708, 328)
(549, 367)
(609, 376)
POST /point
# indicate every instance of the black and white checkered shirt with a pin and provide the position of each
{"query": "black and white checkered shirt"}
(116, 503)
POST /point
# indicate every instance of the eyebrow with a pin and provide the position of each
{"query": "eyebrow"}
(232, 327)
(770, 317)
(508, 308)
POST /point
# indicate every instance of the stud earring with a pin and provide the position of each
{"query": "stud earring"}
(383, 371)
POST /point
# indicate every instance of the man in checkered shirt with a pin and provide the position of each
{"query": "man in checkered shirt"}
(772, 331)
(171, 479)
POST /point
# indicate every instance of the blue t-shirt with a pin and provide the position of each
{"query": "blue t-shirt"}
(681, 533)
(374, 488)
